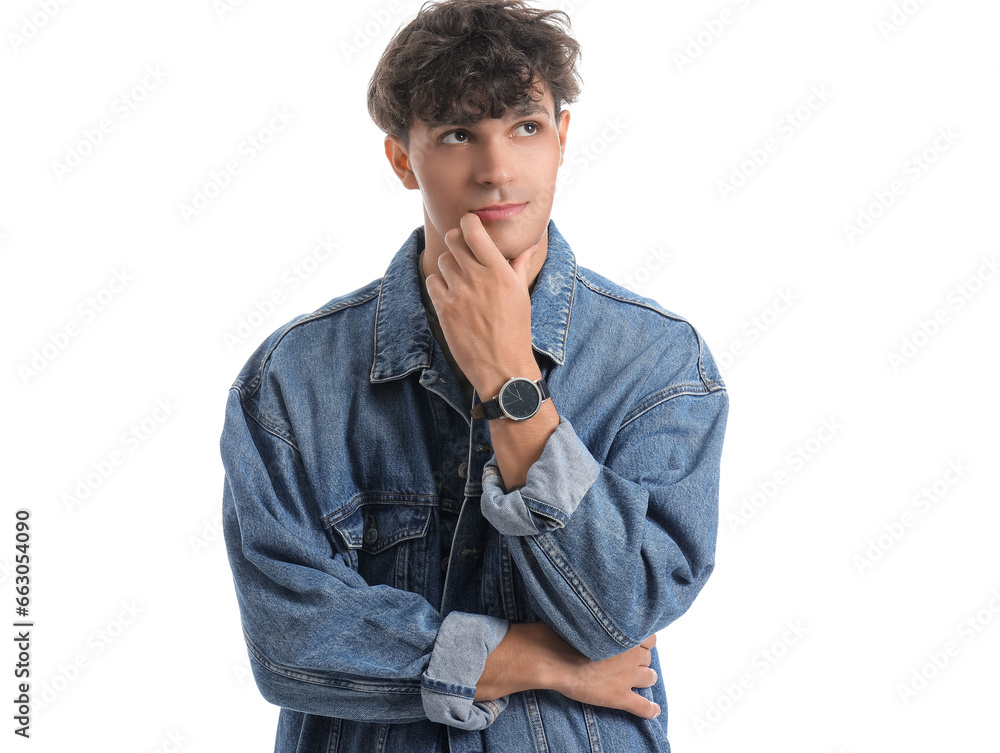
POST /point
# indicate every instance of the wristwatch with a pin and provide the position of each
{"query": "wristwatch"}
(519, 400)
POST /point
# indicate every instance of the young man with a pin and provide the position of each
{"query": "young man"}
(461, 501)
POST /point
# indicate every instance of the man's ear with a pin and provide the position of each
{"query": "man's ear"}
(399, 157)
(563, 128)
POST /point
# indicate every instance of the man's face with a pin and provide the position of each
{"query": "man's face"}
(510, 161)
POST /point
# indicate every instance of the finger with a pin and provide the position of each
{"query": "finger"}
(449, 268)
(649, 642)
(521, 264)
(436, 288)
(642, 707)
(645, 678)
(480, 243)
(454, 239)
(640, 655)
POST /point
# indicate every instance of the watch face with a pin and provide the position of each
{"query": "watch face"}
(520, 399)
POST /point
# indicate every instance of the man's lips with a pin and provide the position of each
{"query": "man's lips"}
(499, 212)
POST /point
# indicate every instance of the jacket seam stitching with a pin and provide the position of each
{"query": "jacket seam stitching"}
(701, 370)
(710, 384)
(552, 512)
(431, 687)
(428, 500)
(253, 385)
(668, 394)
(266, 426)
(361, 686)
(634, 302)
(378, 314)
(574, 581)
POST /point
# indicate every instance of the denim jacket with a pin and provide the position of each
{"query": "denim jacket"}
(378, 557)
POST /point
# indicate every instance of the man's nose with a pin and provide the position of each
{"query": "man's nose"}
(495, 163)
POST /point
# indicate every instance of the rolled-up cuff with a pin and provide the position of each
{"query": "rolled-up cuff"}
(448, 687)
(553, 488)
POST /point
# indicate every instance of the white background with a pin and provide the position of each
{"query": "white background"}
(843, 407)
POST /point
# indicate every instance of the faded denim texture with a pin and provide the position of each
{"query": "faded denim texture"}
(378, 559)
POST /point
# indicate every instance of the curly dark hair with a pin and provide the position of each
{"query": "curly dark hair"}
(462, 60)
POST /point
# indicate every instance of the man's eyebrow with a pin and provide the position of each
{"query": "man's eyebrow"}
(536, 108)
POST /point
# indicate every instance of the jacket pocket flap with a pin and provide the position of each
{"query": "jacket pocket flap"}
(374, 526)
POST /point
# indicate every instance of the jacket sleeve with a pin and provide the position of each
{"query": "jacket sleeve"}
(613, 551)
(319, 638)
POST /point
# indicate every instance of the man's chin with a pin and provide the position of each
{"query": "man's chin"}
(516, 243)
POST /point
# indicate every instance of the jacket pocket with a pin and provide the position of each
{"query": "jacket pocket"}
(386, 537)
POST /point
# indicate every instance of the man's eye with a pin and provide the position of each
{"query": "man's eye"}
(447, 138)
(532, 128)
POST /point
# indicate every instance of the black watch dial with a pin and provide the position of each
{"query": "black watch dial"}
(520, 399)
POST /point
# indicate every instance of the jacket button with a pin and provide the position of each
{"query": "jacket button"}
(371, 535)
(463, 470)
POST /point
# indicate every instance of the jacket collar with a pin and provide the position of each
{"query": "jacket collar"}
(403, 339)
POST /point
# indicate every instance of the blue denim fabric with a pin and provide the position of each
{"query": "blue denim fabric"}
(378, 558)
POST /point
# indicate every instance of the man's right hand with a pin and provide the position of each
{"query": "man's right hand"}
(533, 656)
